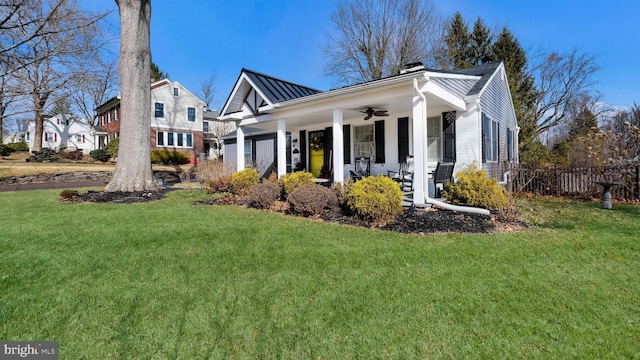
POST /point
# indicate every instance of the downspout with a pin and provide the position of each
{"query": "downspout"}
(427, 199)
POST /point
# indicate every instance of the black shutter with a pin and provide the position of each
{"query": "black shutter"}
(379, 139)
(403, 139)
(328, 145)
(449, 131)
(346, 139)
(303, 149)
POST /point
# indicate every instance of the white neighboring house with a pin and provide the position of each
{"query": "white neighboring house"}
(13, 137)
(64, 132)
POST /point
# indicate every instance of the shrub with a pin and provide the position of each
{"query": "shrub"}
(263, 195)
(100, 155)
(18, 146)
(296, 179)
(112, 147)
(474, 188)
(342, 192)
(5, 150)
(377, 198)
(74, 155)
(310, 200)
(169, 157)
(68, 194)
(211, 170)
(242, 180)
(220, 184)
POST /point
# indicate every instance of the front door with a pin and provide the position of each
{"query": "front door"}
(316, 152)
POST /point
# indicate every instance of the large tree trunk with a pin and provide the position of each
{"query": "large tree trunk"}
(39, 102)
(133, 168)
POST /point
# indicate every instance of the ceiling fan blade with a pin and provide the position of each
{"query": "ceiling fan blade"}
(368, 116)
(381, 113)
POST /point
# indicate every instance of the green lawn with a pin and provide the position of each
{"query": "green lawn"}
(170, 280)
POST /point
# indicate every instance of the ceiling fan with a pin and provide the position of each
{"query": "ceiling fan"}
(370, 113)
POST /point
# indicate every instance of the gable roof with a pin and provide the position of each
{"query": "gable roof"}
(272, 89)
(485, 71)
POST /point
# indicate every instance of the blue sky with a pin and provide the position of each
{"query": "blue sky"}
(192, 39)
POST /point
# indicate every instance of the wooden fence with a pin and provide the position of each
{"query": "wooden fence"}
(577, 182)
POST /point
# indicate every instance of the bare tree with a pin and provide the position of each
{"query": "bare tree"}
(99, 83)
(51, 61)
(208, 90)
(133, 169)
(561, 79)
(377, 38)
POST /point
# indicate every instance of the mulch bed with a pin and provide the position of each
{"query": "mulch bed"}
(411, 221)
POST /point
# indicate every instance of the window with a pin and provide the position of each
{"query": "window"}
(364, 142)
(159, 110)
(109, 117)
(27, 137)
(189, 140)
(247, 154)
(180, 137)
(117, 114)
(490, 139)
(50, 137)
(434, 139)
(191, 114)
(510, 144)
(170, 139)
(78, 138)
(160, 138)
(176, 91)
(205, 126)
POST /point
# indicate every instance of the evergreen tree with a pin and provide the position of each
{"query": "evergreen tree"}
(157, 74)
(583, 124)
(480, 44)
(457, 45)
(523, 92)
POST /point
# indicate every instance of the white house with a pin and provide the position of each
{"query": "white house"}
(435, 116)
(176, 119)
(64, 132)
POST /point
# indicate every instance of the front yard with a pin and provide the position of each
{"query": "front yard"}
(171, 280)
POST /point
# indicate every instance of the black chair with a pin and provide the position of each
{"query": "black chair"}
(362, 168)
(442, 174)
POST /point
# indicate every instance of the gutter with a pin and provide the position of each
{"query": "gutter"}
(427, 199)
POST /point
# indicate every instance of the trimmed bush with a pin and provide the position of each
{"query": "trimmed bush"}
(112, 147)
(296, 179)
(169, 157)
(18, 146)
(5, 150)
(377, 198)
(68, 194)
(74, 155)
(474, 188)
(310, 200)
(242, 180)
(263, 195)
(100, 155)
(342, 192)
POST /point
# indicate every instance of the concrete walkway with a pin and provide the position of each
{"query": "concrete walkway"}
(52, 185)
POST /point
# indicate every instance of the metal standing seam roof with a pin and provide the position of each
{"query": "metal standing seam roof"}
(277, 90)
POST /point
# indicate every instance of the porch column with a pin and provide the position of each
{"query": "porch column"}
(338, 148)
(239, 148)
(281, 145)
(419, 150)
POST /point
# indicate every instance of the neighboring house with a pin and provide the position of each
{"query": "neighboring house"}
(64, 132)
(13, 137)
(213, 132)
(176, 119)
(460, 116)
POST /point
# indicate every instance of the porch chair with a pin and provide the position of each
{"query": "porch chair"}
(441, 175)
(362, 168)
(404, 175)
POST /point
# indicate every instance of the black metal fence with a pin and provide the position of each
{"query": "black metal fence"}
(579, 182)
